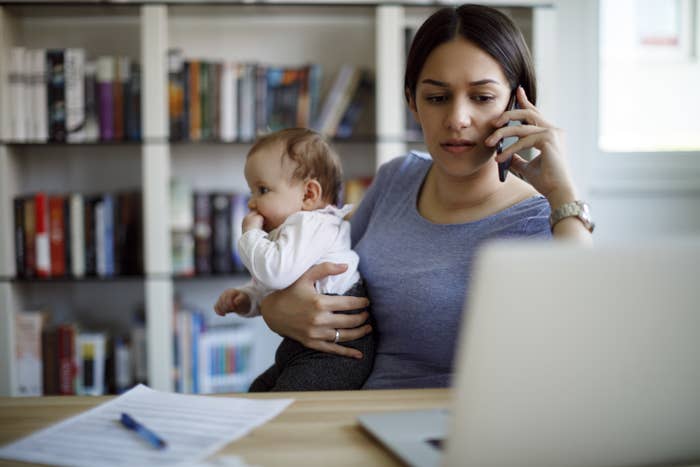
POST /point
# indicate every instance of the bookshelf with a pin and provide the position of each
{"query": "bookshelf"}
(368, 34)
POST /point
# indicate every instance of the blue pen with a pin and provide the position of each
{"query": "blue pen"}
(142, 431)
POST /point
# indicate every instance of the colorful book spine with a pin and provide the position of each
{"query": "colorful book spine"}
(75, 95)
(67, 370)
(56, 94)
(43, 251)
(105, 97)
(90, 357)
(176, 90)
(202, 233)
(195, 109)
(57, 240)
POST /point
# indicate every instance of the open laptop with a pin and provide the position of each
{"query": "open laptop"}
(568, 356)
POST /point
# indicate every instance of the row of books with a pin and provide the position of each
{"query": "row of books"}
(58, 95)
(231, 101)
(66, 360)
(78, 235)
(205, 230)
(210, 359)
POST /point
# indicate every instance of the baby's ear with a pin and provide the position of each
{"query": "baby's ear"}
(313, 193)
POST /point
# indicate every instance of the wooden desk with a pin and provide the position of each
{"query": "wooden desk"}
(318, 429)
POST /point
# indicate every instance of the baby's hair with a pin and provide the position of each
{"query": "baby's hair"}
(314, 158)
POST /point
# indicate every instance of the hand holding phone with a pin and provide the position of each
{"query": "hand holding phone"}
(505, 142)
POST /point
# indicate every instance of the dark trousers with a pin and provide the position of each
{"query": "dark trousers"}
(298, 368)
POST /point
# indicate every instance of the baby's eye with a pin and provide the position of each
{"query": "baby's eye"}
(263, 190)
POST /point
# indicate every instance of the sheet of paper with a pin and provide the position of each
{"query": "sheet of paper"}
(193, 426)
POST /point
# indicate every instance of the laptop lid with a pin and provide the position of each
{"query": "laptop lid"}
(579, 356)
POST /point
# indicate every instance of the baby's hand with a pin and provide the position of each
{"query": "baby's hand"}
(252, 220)
(232, 301)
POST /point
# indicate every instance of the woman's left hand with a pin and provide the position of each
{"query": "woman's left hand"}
(547, 172)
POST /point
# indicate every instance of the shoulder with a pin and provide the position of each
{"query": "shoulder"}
(406, 168)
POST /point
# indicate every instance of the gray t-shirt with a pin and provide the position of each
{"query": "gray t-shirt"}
(417, 272)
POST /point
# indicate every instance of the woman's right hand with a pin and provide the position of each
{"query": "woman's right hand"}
(302, 314)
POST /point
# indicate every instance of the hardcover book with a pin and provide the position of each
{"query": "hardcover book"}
(56, 94)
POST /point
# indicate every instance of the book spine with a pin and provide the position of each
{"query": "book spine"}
(226, 103)
(90, 350)
(49, 352)
(57, 240)
(176, 90)
(56, 95)
(67, 247)
(186, 101)
(90, 236)
(75, 95)
(29, 237)
(100, 250)
(239, 209)
(205, 99)
(39, 102)
(215, 87)
(92, 130)
(17, 90)
(246, 111)
(118, 92)
(221, 233)
(261, 110)
(66, 359)
(19, 237)
(194, 102)
(105, 96)
(43, 252)
(133, 104)
(202, 233)
(108, 234)
(28, 327)
(77, 235)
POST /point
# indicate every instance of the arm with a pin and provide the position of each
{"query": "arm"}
(547, 172)
(302, 314)
(302, 239)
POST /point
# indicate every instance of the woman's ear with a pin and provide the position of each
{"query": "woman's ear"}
(313, 193)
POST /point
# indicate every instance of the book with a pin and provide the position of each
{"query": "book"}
(128, 237)
(119, 90)
(39, 98)
(202, 233)
(43, 251)
(57, 240)
(17, 92)
(56, 94)
(176, 90)
(224, 359)
(239, 209)
(29, 236)
(89, 203)
(28, 354)
(75, 94)
(19, 237)
(77, 235)
(246, 102)
(229, 101)
(359, 115)
(123, 378)
(221, 233)
(182, 245)
(67, 370)
(91, 357)
(105, 96)
(338, 99)
(104, 228)
(132, 104)
(92, 129)
(194, 109)
(49, 359)
(205, 100)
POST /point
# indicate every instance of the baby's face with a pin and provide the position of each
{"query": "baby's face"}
(273, 192)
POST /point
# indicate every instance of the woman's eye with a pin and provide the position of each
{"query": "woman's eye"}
(483, 98)
(436, 99)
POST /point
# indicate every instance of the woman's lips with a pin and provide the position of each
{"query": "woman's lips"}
(457, 146)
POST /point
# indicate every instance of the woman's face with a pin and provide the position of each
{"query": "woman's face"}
(460, 91)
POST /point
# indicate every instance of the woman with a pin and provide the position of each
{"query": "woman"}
(425, 216)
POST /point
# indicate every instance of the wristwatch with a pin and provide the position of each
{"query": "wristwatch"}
(574, 209)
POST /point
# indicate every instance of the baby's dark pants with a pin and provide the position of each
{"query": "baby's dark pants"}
(298, 368)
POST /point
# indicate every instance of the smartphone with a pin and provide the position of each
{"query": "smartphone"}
(505, 142)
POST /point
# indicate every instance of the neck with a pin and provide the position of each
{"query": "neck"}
(463, 193)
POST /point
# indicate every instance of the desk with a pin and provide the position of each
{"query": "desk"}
(318, 429)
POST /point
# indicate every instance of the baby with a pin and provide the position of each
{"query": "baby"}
(295, 179)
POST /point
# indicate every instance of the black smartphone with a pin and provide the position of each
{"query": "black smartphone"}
(505, 142)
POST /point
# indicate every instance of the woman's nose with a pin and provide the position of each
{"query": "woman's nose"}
(459, 116)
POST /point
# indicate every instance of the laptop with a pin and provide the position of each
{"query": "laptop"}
(568, 356)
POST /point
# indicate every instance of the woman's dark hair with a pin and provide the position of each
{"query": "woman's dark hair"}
(489, 29)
